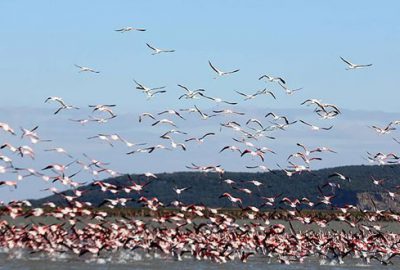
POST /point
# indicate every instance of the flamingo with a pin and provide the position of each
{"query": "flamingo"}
(157, 50)
(221, 73)
(354, 66)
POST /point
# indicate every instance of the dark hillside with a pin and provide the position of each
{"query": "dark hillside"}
(207, 187)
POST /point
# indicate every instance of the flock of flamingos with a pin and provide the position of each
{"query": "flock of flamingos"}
(193, 231)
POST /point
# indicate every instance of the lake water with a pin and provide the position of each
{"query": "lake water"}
(18, 259)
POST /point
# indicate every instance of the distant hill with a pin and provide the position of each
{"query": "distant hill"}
(207, 187)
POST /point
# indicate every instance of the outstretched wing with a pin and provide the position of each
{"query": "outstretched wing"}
(233, 71)
(240, 93)
(184, 87)
(347, 62)
(207, 134)
(365, 65)
(151, 47)
(282, 80)
(214, 68)
(304, 122)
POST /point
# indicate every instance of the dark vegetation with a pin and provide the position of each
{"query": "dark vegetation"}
(207, 187)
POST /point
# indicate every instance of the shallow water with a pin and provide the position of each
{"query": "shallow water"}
(19, 259)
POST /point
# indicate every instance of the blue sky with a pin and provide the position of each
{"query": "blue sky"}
(298, 40)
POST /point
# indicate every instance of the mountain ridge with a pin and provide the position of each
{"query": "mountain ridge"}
(206, 188)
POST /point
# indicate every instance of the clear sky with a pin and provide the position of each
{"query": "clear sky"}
(300, 41)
